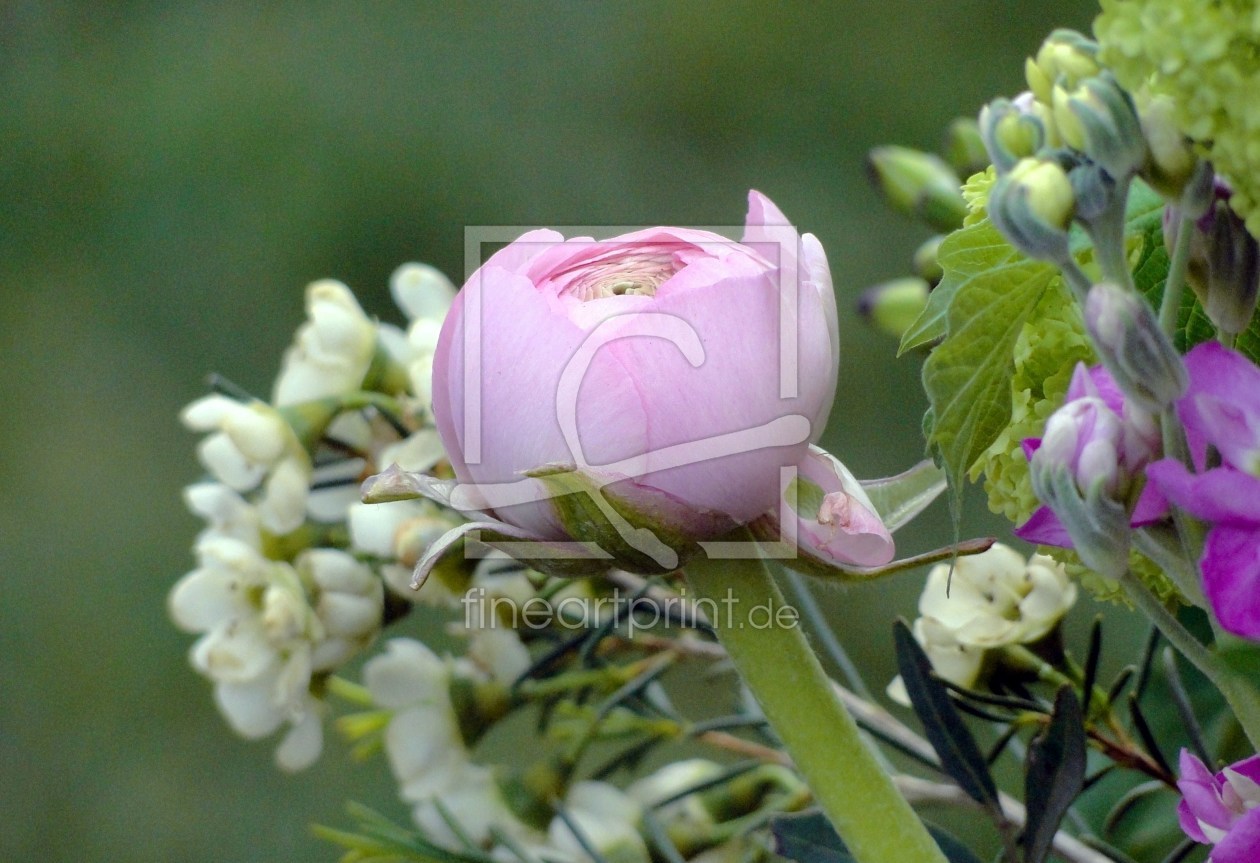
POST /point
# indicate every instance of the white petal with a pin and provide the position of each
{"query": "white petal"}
(249, 708)
(421, 291)
(302, 745)
(207, 413)
(283, 506)
(236, 652)
(407, 673)
(499, 651)
(418, 453)
(258, 431)
(374, 527)
(348, 616)
(206, 598)
(333, 569)
(228, 464)
(425, 751)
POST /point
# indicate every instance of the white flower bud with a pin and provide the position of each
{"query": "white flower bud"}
(423, 292)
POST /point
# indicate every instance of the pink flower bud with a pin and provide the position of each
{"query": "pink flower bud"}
(634, 396)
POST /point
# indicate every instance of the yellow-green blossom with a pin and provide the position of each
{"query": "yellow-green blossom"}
(1205, 56)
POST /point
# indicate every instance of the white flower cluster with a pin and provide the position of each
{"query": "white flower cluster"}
(269, 626)
(426, 747)
(279, 604)
(990, 600)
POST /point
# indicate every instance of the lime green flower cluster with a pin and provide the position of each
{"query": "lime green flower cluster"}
(1204, 55)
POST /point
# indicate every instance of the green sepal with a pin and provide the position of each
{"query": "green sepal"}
(385, 374)
(651, 535)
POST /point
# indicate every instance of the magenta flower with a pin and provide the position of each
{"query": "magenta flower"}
(1103, 442)
(1222, 809)
(616, 402)
(1221, 410)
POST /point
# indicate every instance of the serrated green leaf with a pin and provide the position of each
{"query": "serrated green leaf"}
(968, 376)
(1055, 776)
(960, 757)
(965, 255)
(989, 292)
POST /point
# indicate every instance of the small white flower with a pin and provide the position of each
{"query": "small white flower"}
(424, 294)
(687, 816)
(331, 352)
(227, 514)
(267, 626)
(993, 599)
(399, 533)
(998, 597)
(423, 741)
(250, 443)
(476, 803)
(608, 820)
(952, 660)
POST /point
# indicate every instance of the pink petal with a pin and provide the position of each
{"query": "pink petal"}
(1242, 844)
(1224, 374)
(1220, 496)
(847, 530)
(1231, 578)
(1044, 528)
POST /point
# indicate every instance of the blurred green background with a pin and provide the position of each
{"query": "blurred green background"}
(174, 174)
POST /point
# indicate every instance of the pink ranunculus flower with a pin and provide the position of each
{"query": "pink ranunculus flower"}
(616, 402)
(1222, 809)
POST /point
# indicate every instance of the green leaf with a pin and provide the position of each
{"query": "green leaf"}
(900, 498)
(960, 757)
(968, 376)
(965, 255)
(989, 291)
(1055, 776)
(808, 837)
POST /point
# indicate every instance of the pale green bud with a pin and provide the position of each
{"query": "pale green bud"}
(893, 306)
(1065, 57)
(1011, 131)
(1098, 119)
(964, 147)
(1032, 206)
(1171, 161)
(926, 259)
(920, 185)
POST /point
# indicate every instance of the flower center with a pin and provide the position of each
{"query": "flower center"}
(629, 273)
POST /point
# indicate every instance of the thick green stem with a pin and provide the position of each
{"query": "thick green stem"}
(776, 662)
(1239, 693)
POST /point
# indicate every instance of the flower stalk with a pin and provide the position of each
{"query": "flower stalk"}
(781, 670)
(1239, 694)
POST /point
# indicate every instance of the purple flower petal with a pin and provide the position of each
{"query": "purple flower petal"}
(1044, 528)
(1242, 843)
(1221, 496)
(1227, 377)
(1231, 578)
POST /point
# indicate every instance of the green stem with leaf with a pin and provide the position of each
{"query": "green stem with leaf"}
(781, 670)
